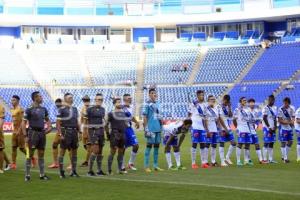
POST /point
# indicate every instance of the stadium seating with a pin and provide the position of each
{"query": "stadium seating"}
(279, 62)
(174, 100)
(112, 67)
(293, 93)
(225, 64)
(25, 102)
(167, 66)
(14, 71)
(258, 91)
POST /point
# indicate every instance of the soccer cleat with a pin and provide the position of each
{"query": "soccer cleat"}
(62, 174)
(69, 168)
(13, 166)
(53, 166)
(27, 178)
(215, 164)
(44, 178)
(273, 162)
(110, 172)
(33, 162)
(132, 167)
(181, 167)
(123, 172)
(74, 174)
(173, 168)
(158, 169)
(1, 171)
(148, 170)
(228, 161)
(195, 166)
(250, 163)
(223, 164)
(91, 173)
(239, 164)
(286, 161)
(263, 162)
(205, 166)
(101, 173)
(8, 167)
(84, 164)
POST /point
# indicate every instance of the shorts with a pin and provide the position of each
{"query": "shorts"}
(214, 139)
(244, 137)
(70, 138)
(2, 143)
(174, 141)
(298, 136)
(117, 139)
(226, 137)
(285, 135)
(269, 137)
(36, 139)
(85, 137)
(198, 136)
(18, 140)
(155, 139)
(131, 139)
(57, 139)
(254, 138)
(96, 136)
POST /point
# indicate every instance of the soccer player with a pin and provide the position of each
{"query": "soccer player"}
(18, 139)
(87, 146)
(254, 122)
(227, 136)
(118, 122)
(269, 128)
(196, 113)
(286, 119)
(94, 122)
(297, 128)
(2, 146)
(68, 127)
(213, 121)
(171, 133)
(152, 126)
(131, 139)
(35, 116)
(241, 119)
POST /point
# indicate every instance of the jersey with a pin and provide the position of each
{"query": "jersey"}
(83, 112)
(36, 116)
(254, 119)
(196, 109)
(152, 112)
(172, 129)
(95, 115)
(129, 113)
(212, 114)
(225, 116)
(118, 121)
(68, 115)
(286, 114)
(242, 115)
(2, 111)
(271, 113)
(297, 116)
(17, 116)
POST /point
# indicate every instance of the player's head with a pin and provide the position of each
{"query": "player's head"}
(211, 99)
(226, 99)
(286, 102)
(68, 98)
(200, 95)
(37, 97)
(58, 103)
(251, 103)
(187, 123)
(99, 99)
(243, 101)
(117, 103)
(127, 99)
(271, 100)
(152, 94)
(86, 100)
(15, 99)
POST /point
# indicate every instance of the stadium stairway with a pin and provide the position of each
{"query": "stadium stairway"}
(245, 71)
(200, 57)
(139, 95)
(85, 69)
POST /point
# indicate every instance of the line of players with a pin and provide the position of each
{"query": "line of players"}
(210, 123)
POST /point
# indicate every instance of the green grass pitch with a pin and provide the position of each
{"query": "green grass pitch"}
(280, 181)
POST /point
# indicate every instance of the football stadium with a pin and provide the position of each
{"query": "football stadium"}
(150, 99)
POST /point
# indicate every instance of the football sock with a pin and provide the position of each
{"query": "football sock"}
(177, 158)
(230, 150)
(41, 162)
(213, 154)
(147, 157)
(169, 159)
(91, 161)
(132, 157)
(221, 152)
(238, 154)
(155, 157)
(193, 154)
(99, 162)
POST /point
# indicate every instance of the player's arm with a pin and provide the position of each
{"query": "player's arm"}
(283, 121)
(222, 123)
(298, 120)
(1, 124)
(137, 124)
(181, 140)
(230, 113)
(106, 127)
(265, 119)
(145, 118)
(170, 140)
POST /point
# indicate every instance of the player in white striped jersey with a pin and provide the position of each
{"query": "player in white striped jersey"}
(171, 133)
(297, 128)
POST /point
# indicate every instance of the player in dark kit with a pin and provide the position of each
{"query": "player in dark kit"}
(118, 122)
(68, 128)
(36, 115)
(94, 123)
